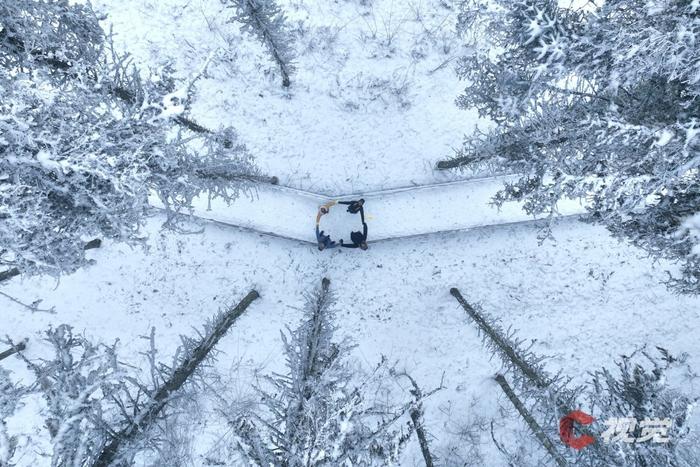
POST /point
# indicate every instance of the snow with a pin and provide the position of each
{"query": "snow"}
(369, 112)
(584, 300)
(44, 158)
(664, 137)
(343, 126)
(396, 213)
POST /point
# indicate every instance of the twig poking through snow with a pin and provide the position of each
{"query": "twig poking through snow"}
(34, 307)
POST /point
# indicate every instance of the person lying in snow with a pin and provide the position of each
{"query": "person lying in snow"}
(324, 210)
(324, 241)
(354, 206)
(359, 239)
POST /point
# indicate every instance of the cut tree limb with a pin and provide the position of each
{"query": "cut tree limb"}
(15, 349)
(531, 422)
(94, 243)
(538, 380)
(146, 416)
(416, 414)
(9, 274)
(452, 163)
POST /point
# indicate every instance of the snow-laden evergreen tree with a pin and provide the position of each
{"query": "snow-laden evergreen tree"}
(100, 412)
(265, 20)
(80, 385)
(316, 415)
(640, 390)
(10, 395)
(600, 102)
(85, 138)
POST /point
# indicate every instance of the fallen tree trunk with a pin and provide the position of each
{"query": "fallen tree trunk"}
(145, 417)
(532, 374)
(531, 422)
(416, 414)
(15, 349)
(550, 395)
(9, 274)
(94, 243)
(452, 163)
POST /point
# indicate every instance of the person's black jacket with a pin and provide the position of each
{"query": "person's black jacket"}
(353, 206)
(357, 237)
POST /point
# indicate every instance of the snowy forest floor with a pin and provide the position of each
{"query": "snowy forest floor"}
(371, 108)
(584, 300)
(371, 104)
(390, 214)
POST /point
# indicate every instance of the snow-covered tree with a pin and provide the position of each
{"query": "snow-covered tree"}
(79, 384)
(599, 102)
(642, 390)
(265, 20)
(316, 415)
(101, 412)
(10, 395)
(85, 138)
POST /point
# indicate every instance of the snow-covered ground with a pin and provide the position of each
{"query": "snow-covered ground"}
(370, 108)
(371, 105)
(396, 213)
(583, 300)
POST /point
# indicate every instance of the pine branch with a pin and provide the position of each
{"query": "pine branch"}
(265, 20)
(16, 348)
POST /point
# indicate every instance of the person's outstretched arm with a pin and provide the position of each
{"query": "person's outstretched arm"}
(364, 230)
(327, 207)
(362, 215)
(349, 245)
(345, 202)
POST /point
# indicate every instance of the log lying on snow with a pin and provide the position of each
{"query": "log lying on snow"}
(94, 243)
(15, 349)
(9, 274)
(145, 417)
(531, 422)
(539, 380)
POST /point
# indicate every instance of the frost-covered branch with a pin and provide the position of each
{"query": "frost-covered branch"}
(265, 20)
(192, 353)
(599, 102)
(83, 147)
(313, 415)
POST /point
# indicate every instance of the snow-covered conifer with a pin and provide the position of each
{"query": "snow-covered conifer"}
(599, 102)
(85, 139)
(316, 415)
(265, 20)
(642, 391)
(79, 384)
(10, 395)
